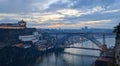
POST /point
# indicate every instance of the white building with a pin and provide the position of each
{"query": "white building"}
(34, 38)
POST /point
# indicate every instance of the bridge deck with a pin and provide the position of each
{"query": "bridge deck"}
(80, 54)
(84, 48)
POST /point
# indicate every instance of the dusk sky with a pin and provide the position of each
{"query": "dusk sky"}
(68, 14)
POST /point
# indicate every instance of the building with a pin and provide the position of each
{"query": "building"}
(117, 45)
(33, 37)
(10, 34)
(20, 25)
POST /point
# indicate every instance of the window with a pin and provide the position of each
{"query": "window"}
(117, 57)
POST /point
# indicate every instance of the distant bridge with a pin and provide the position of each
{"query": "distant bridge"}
(62, 36)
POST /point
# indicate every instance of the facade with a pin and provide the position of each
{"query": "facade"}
(33, 38)
(117, 45)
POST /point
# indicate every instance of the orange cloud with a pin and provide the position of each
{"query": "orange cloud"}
(82, 23)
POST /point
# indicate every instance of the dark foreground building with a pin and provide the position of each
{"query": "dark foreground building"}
(117, 45)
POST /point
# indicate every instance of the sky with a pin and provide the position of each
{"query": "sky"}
(64, 14)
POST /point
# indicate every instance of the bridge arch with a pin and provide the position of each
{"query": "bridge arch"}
(90, 37)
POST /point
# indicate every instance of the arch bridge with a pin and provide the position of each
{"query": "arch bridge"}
(67, 39)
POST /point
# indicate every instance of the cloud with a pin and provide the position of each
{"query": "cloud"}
(44, 17)
(49, 17)
(111, 11)
(42, 5)
(98, 21)
(16, 6)
(69, 12)
(34, 17)
(72, 25)
(8, 15)
(61, 13)
(75, 12)
(1, 18)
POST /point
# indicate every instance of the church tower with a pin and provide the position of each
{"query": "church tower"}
(22, 23)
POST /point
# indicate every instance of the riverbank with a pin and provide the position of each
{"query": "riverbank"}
(13, 56)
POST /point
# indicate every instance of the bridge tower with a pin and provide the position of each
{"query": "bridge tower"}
(104, 43)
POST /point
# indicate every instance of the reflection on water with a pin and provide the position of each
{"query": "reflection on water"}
(68, 57)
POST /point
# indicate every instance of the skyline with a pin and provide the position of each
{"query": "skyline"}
(72, 14)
